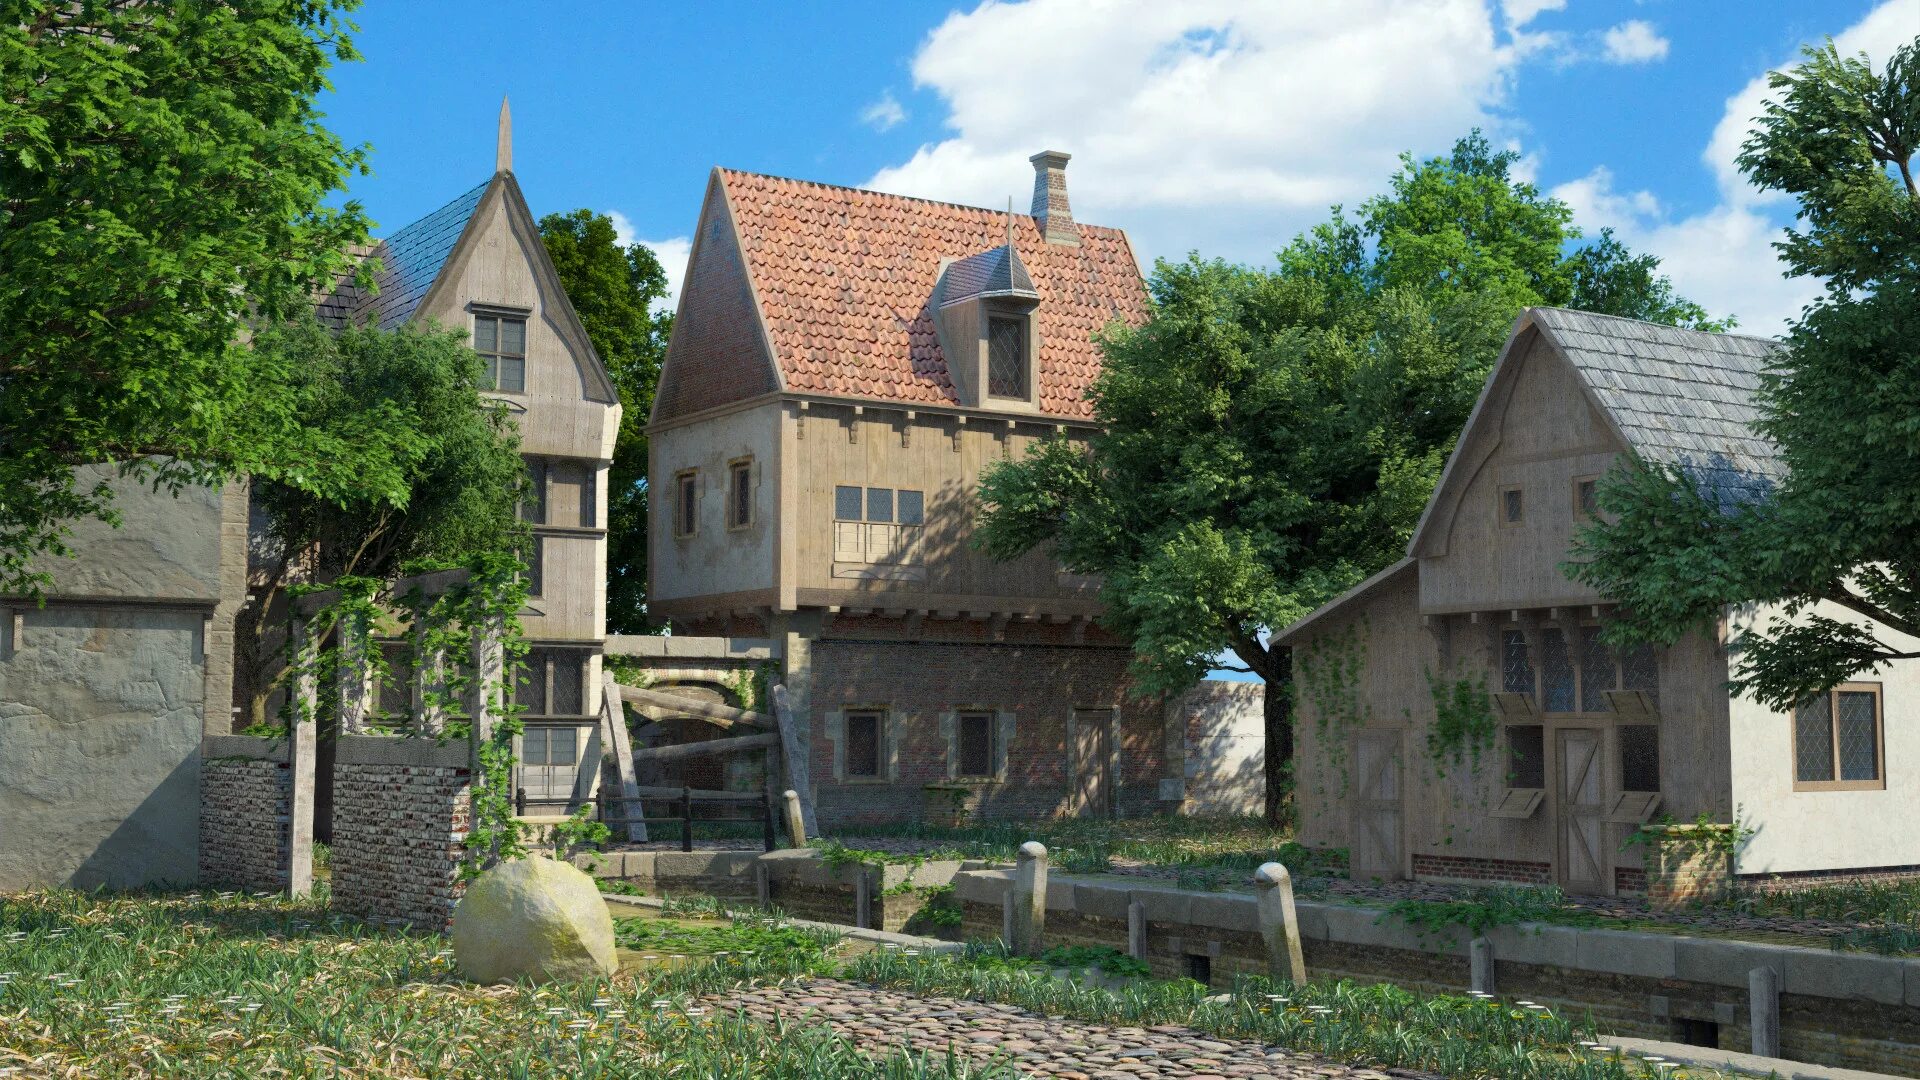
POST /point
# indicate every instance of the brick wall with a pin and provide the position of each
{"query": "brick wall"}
(1481, 871)
(397, 836)
(1040, 685)
(1629, 879)
(244, 823)
(1801, 879)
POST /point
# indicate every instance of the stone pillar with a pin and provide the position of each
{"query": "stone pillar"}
(1279, 925)
(863, 896)
(1480, 965)
(484, 698)
(428, 687)
(356, 675)
(1137, 930)
(796, 819)
(1763, 1003)
(795, 695)
(1029, 899)
(302, 745)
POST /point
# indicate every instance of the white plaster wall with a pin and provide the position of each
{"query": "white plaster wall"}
(1225, 747)
(1828, 830)
(716, 560)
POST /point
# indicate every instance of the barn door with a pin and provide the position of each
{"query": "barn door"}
(1375, 848)
(1093, 762)
(1582, 863)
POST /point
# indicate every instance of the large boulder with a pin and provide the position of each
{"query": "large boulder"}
(533, 918)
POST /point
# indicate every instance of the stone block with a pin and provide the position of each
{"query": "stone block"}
(982, 886)
(1621, 952)
(252, 748)
(1100, 900)
(1913, 985)
(1846, 976)
(637, 864)
(1059, 894)
(1166, 905)
(1726, 963)
(1226, 911)
(1313, 920)
(1374, 927)
(1557, 946)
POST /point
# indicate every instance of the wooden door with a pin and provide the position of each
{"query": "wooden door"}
(1375, 851)
(1092, 764)
(1581, 863)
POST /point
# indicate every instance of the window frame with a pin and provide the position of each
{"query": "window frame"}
(536, 561)
(1519, 802)
(739, 485)
(1580, 512)
(1024, 324)
(960, 718)
(686, 504)
(539, 476)
(1500, 506)
(492, 358)
(1879, 783)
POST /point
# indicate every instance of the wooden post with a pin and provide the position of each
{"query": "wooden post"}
(796, 819)
(1763, 1004)
(1137, 930)
(613, 713)
(1279, 925)
(1029, 898)
(302, 745)
(686, 819)
(1480, 965)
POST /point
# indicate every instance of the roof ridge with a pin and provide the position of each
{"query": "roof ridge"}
(897, 195)
(1649, 322)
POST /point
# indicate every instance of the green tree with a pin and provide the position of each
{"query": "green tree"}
(1842, 526)
(1270, 437)
(614, 288)
(456, 450)
(163, 178)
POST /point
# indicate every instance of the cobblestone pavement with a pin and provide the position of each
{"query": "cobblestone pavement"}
(1038, 1046)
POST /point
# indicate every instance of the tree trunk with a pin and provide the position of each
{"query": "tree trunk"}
(1278, 703)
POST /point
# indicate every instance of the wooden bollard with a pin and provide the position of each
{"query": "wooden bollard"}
(1279, 925)
(796, 823)
(1029, 899)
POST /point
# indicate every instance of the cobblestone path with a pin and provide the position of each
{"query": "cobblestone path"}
(877, 1021)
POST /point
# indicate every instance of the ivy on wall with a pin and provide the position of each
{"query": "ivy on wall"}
(1463, 727)
(1328, 676)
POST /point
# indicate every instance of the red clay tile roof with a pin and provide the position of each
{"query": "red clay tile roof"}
(845, 278)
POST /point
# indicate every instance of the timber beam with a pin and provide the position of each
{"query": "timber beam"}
(686, 706)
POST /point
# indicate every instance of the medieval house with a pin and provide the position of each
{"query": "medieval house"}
(478, 264)
(1589, 743)
(843, 366)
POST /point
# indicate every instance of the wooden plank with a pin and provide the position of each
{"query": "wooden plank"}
(684, 751)
(698, 794)
(614, 716)
(726, 714)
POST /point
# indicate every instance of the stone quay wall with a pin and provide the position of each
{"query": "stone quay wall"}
(1851, 1010)
(245, 813)
(401, 811)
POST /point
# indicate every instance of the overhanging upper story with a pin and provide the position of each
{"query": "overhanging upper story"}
(844, 365)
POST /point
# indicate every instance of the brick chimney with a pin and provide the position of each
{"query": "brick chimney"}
(1050, 207)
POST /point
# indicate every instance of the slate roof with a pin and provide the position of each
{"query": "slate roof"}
(1685, 398)
(998, 272)
(845, 279)
(413, 257)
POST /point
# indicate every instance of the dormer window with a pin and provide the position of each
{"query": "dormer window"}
(1007, 356)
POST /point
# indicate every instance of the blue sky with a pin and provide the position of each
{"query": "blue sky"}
(1222, 126)
(1209, 125)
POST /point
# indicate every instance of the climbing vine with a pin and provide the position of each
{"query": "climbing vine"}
(1463, 726)
(1329, 675)
(492, 596)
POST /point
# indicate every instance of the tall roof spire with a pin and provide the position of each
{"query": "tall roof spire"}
(503, 149)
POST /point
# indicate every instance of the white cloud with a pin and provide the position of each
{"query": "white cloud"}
(1208, 124)
(1522, 12)
(885, 114)
(673, 255)
(1723, 257)
(1634, 42)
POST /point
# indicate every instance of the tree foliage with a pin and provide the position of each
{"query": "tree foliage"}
(1842, 406)
(614, 287)
(1269, 437)
(163, 177)
(455, 450)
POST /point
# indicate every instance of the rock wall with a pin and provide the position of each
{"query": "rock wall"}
(244, 813)
(398, 831)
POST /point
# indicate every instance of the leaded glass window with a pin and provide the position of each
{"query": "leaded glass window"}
(1526, 756)
(880, 504)
(1837, 739)
(1556, 671)
(1640, 671)
(1007, 357)
(1813, 740)
(1859, 735)
(846, 503)
(863, 753)
(913, 507)
(975, 750)
(1639, 757)
(502, 345)
(1516, 663)
(1596, 670)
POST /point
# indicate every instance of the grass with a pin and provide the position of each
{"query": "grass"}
(1227, 848)
(1890, 911)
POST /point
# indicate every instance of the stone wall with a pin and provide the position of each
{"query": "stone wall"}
(1851, 1010)
(1224, 731)
(401, 809)
(244, 815)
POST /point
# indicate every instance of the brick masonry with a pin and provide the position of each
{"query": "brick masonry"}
(1629, 879)
(243, 823)
(1039, 684)
(397, 836)
(1481, 871)
(1798, 879)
